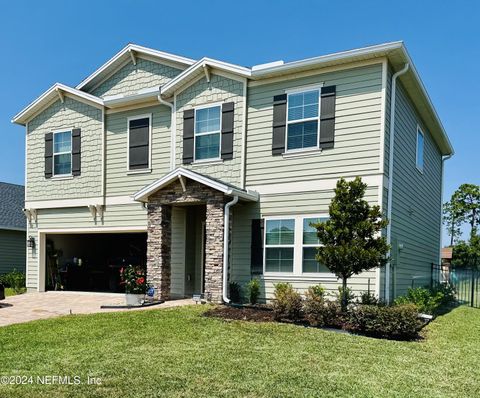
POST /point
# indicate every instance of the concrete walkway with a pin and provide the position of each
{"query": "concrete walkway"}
(32, 306)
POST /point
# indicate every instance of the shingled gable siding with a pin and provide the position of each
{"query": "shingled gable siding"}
(219, 90)
(132, 78)
(416, 200)
(357, 129)
(57, 117)
(118, 181)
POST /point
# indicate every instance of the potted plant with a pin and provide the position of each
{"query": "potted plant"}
(135, 284)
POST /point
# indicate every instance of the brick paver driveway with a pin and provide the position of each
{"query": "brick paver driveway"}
(31, 306)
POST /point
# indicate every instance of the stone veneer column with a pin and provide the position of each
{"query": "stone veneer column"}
(158, 248)
(214, 248)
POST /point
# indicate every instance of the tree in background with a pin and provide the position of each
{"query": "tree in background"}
(466, 204)
(452, 219)
(351, 237)
(467, 254)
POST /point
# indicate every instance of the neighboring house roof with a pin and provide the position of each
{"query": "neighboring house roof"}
(396, 53)
(12, 199)
(447, 253)
(180, 173)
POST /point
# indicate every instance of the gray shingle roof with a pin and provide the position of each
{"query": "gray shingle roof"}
(12, 199)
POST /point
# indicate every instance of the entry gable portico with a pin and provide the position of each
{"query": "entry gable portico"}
(179, 188)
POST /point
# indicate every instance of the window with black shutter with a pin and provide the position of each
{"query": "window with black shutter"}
(139, 143)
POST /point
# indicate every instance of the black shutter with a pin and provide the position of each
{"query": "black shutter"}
(76, 152)
(48, 155)
(279, 124)
(139, 142)
(256, 253)
(327, 117)
(227, 130)
(188, 137)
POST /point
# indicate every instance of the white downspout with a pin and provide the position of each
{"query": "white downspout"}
(444, 158)
(173, 128)
(226, 234)
(390, 175)
(244, 137)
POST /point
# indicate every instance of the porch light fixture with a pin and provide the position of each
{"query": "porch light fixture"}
(31, 242)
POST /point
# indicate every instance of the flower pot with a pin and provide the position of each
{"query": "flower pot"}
(134, 299)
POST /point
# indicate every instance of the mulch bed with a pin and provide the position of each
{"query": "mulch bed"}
(253, 314)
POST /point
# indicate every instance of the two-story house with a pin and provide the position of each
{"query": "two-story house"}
(207, 172)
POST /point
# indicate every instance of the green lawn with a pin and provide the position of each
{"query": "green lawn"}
(179, 353)
(10, 292)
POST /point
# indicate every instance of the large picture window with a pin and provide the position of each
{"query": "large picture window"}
(207, 133)
(302, 120)
(62, 153)
(291, 244)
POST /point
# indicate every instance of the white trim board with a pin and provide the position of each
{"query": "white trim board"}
(63, 203)
(375, 180)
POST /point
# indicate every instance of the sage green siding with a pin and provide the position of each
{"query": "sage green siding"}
(219, 90)
(118, 181)
(12, 251)
(416, 200)
(288, 204)
(132, 78)
(357, 129)
(60, 117)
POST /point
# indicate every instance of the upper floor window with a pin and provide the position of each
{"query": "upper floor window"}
(62, 153)
(303, 120)
(139, 136)
(207, 133)
(420, 148)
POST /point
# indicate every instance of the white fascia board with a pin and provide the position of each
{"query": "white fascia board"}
(318, 61)
(125, 52)
(144, 193)
(178, 81)
(37, 105)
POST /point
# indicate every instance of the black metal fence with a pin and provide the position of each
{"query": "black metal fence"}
(465, 281)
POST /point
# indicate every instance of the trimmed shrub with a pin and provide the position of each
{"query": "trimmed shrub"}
(253, 290)
(14, 280)
(235, 292)
(314, 305)
(368, 298)
(426, 301)
(287, 303)
(448, 292)
(398, 322)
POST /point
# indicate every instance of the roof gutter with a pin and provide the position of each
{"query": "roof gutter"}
(390, 176)
(226, 238)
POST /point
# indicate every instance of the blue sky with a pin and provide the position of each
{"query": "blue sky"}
(49, 41)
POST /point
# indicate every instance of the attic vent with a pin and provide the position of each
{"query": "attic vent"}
(267, 65)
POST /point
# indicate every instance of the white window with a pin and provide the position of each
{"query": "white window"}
(279, 245)
(291, 245)
(207, 133)
(303, 120)
(62, 153)
(420, 145)
(309, 246)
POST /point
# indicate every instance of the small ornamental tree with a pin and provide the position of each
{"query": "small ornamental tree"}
(351, 237)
